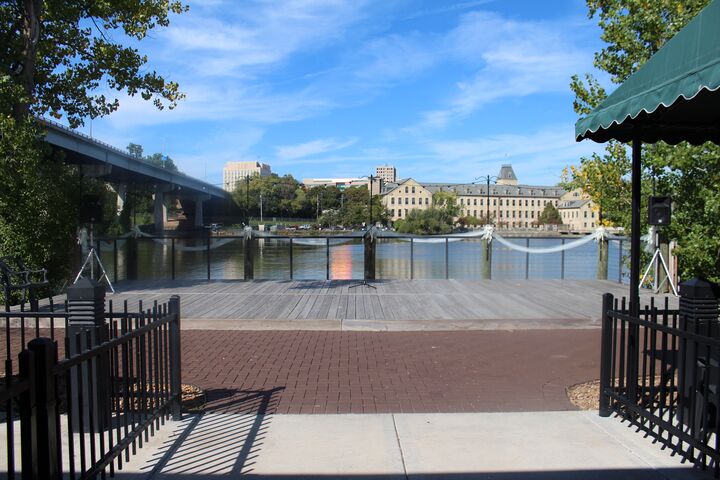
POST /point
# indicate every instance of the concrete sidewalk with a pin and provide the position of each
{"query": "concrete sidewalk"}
(502, 446)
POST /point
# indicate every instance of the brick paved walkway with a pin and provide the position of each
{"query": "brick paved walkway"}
(369, 372)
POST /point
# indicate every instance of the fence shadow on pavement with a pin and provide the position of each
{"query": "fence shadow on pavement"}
(222, 440)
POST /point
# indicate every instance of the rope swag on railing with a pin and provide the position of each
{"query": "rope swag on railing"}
(488, 232)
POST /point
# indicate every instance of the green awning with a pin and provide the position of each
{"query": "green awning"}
(673, 97)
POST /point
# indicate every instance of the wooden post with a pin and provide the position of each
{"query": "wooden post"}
(369, 263)
(602, 266)
(249, 250)
(486, 260)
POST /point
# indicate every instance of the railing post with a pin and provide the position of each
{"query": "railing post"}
(447, 267)
(40, 435)
(602, 265)
(249, 251)
(412, 259)
(207, 255)
(562, 261)
(175, 358)
(291, 258)
(369, 258)
(487, 259)
(606, 354)
(527, 259)
(620, 260)
(327, 258)
(86, 308)
(131, 260)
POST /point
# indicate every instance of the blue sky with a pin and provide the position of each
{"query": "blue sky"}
(443, 90)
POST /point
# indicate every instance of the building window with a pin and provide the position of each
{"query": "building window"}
(481, 202)
(526, 202)
(585, 214)
(392, 200)
(474, 201)
(474, 213)
(532, 203)
(392, 212)
(406, 189)
(513, 202)
(426, 200)
(494, 202)
(413, 200)
(532, 214)
(462, 201)
(406, 212)
(413, 189)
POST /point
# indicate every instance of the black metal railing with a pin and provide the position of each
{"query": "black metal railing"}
(114, 385)
(660, 370)
(397, 256)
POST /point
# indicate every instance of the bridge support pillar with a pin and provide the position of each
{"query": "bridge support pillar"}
(199, 199)
(160, 208)
(121, 192)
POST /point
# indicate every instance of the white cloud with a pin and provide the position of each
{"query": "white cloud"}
(538, 155)
(314, 147)
(258, 33)
(504, 58)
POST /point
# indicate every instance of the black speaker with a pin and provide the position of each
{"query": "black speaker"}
(91, 209)
(659, 210)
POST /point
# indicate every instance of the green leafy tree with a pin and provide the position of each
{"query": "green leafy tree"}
(60, 58)
(633, 30)
(549, 215)
(438, 219)
(61, 53)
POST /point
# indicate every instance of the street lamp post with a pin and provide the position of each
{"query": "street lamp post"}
(488, 179)
(370, 196)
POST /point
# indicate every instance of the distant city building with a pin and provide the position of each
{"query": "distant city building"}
(234, 172)
(578, 212)
(387, 173)
(511, 205)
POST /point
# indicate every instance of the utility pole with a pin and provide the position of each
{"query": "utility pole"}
(247, 197)
(488, 179)
(370, 200)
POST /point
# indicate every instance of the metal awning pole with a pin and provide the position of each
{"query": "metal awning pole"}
(635, 227)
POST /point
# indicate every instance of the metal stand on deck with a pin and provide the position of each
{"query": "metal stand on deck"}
(657, 262)
(364, 283)
(91, 258)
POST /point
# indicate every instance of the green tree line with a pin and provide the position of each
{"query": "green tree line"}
(284, 196)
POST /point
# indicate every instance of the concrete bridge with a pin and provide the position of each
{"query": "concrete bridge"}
(201, 201)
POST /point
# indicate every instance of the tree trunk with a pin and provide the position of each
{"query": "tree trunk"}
(31, 37)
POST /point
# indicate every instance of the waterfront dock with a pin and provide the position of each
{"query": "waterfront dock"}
(393, 305)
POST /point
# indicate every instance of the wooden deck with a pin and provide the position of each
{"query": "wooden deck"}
(393, 305)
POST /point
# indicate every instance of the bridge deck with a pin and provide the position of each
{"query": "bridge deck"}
(393, 305)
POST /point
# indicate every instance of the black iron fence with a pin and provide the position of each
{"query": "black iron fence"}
(99, 388)
(345, 257)
(660, 370)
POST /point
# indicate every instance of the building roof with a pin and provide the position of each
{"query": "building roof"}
(572, 204)
(507, 173)
(470, 189)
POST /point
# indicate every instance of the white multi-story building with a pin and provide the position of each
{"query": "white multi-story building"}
(387, 173)
(234, 172)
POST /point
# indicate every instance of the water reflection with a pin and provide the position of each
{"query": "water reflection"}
(461, 260)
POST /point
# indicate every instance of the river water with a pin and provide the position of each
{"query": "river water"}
(345, 260)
